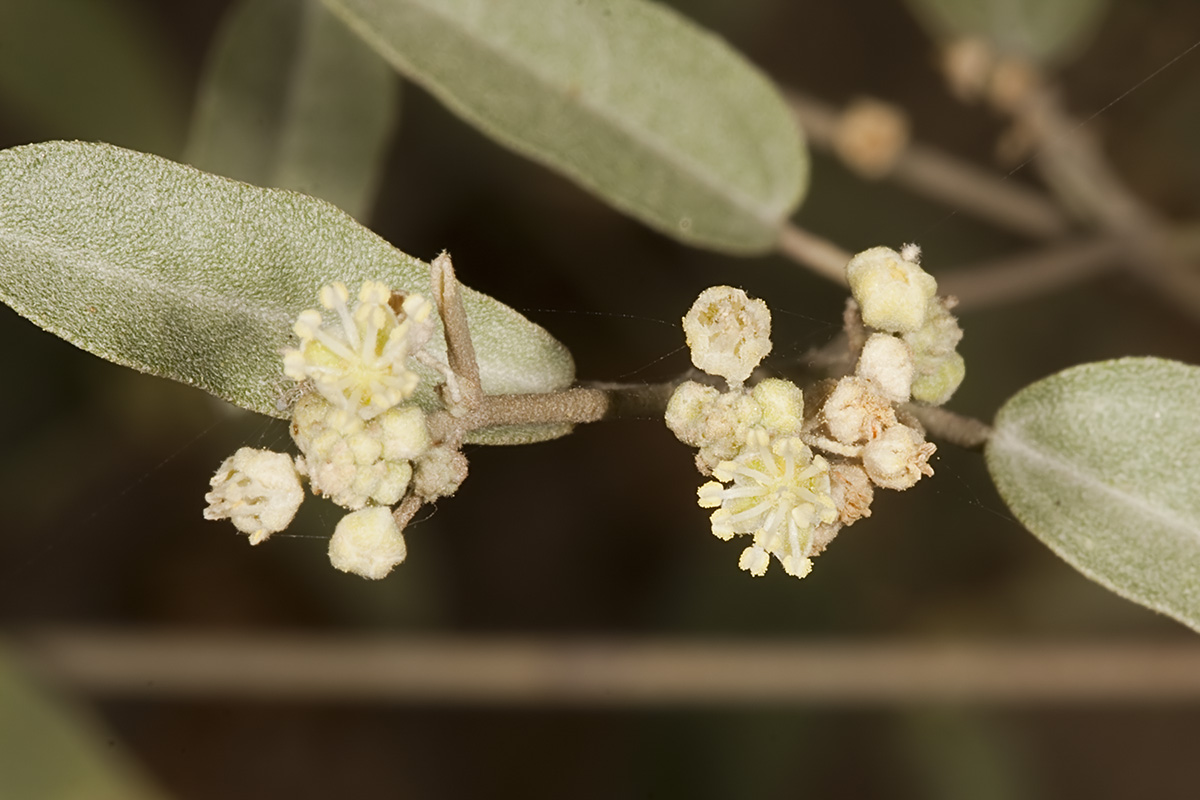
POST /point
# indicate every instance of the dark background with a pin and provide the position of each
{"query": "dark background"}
(103, 471)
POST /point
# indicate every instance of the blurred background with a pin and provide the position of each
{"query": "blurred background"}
(103, 471)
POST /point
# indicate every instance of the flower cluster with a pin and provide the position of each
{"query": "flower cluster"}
(761, 444)
(362, 443)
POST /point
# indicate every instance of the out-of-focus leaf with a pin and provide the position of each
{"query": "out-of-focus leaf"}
(1102, 463)
(292, 99)
(1042, 30)
(655, 115)
(50, 752)
(178, 273)
(90, 69)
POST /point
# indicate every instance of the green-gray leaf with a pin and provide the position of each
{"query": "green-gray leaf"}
(51, 751)
(1042, 30)
(655, 115)
(178, 273)
(293, 99)
(1102, 463)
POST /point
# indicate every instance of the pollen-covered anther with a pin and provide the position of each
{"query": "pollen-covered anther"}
(359, 360)
(777, 493)
(898, 458)
(728, 333)
(257, 490)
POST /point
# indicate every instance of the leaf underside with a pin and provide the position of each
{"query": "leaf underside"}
(1102, 463)
(178, 273)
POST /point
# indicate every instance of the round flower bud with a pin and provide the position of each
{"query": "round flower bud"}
(404, 434)
(892, 293)
(689, 406)
(363, 462)
(728, 333)
(368, 543)
(439, 473)
(937, 379)
(887, 364)
(898, 458)
(782, 406)
(257, 490)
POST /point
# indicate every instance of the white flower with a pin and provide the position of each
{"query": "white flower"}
(728, 333)
(779, 493)
(367, 543)
(893, 294)
(359, 362)
(257, 490)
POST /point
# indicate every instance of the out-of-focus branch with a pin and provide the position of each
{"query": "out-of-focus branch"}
(809, 250)
(1013, 278)
(942, 177)
(607, 672)
(1073, 164)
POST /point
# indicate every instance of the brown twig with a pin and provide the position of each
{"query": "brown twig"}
(525, 671)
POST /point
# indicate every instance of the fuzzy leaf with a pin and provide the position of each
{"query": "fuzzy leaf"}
(186, 275)
(655, 115)
(293, 99)
(1101, 462)
(1042, 30)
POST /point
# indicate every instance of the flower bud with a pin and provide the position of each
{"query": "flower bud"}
(368, 543)
(892, 293)
(887, 364)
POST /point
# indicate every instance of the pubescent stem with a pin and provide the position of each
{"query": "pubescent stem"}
(460, 351)
(612, 401)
